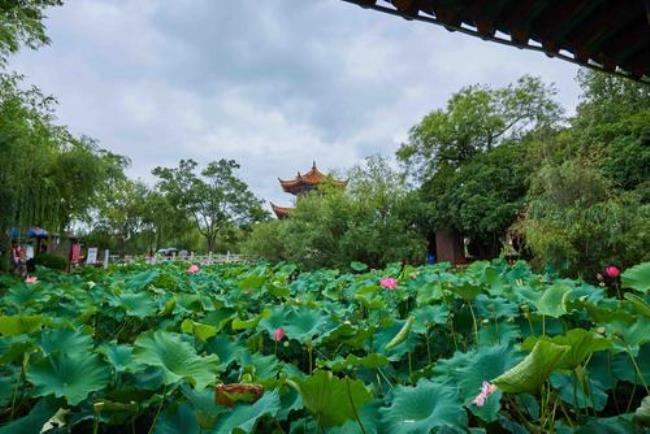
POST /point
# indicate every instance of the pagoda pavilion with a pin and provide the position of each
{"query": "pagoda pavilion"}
(303, 184)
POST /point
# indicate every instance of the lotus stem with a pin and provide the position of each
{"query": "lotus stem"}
(637, 369)
(155, 418)
(354, 408)
(471, 311)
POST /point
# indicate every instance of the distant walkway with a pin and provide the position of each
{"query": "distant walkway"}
(194, 259)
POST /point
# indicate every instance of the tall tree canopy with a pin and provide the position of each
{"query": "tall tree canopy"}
(477, 119)
(215, 198)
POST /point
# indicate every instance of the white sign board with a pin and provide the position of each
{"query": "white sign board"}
(92, 256)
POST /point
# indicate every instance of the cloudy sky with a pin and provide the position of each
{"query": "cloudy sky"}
(273, 84)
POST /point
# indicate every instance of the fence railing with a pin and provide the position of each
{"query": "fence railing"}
(209, 259)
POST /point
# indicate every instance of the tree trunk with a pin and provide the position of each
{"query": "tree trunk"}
(5, 251)
(211, 238)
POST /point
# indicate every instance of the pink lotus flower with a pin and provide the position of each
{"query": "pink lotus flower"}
(31, 280)
(487, 389)
(612, 271)
(388, 283)
(193, 269)
(278, 334)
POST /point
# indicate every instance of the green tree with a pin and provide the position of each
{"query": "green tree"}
(481, 199)
(578, 222)
(215, 198)
(477, 119)
(49, 177)
(22, 24)
(372, 222)
(590, 192)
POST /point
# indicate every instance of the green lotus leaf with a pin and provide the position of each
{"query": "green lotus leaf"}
(467, 289)
(639, 304)
(202, 332)
(140, 281)
(491, 307)
(637, 277)
(370, 361)
(582, 344)
(634, 334)
(240, 324)
(553, 300)
(176, 358)
(139, 305)
(591, 394)
(429, 292)
(331, 400)
(369, 418)
(70, 376)
(70, 341)
(484, 364)
(500, 333)
(177, 420)
(14, 347)
(623, 368)
(7, 386)
(244, 417)
(642, 414)
(119, 356)
(301, 324)
(228, 349)
(206, 410)
(278, 291)
(252, 282)
(427, 316)
(24, 296)
(530, 373)
(20, 324)
(358, 266)
(420, 409)
(262, 368)
(33, 422)
(610, 425)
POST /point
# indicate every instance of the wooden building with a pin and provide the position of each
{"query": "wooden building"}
(303, 184)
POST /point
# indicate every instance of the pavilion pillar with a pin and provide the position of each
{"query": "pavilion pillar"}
(449, 247)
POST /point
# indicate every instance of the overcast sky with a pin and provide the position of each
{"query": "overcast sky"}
(273, 84)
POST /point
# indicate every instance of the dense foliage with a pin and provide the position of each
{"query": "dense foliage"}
(502, 163)
(397, 350)
(49, 177)
(373, 221)
(590, 195)
(216, 199)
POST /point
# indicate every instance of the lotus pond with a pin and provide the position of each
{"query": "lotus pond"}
(234, 348)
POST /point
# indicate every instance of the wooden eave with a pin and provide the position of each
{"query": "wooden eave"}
(607, 35)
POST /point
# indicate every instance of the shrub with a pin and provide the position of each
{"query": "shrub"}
(51, 261)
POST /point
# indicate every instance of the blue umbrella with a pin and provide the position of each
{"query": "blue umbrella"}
(13, 233)
(36, 232)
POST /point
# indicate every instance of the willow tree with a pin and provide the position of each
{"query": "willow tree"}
(48, 177)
